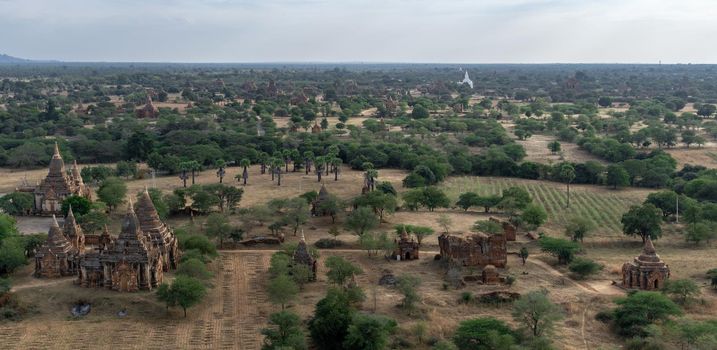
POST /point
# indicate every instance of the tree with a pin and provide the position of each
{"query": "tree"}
(362, 220)
(7, 226)
(433, 198)
(534, 215)
(643, 220)
(412, 199)
(701, 231)
(284, 332)
(276, 165)
(419, 112)
(562, 249)
(368, 332)
(194, 268)
(282, 290)
(481, 333)
(554, 147)
(617, 176)
(683, 291)
(445, 222)
(584, 267)
(17, 203)
(578, 227)
(112, 192)
(217, 225)
(93, 221)
(566, 173)
(488, 202)
(638, 310)
(184, 292)
(604, 101)
(488, 226)
(297, 213)
(332, 206)
(536, 312)
(340, 270)
(523, 254)
(407, 285)
(12, 253)
(467, 200)
(221, 165)
(228, 197)
(518, 196)
(331, 320)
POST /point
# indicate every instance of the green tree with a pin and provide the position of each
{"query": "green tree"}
(482, 333)
(523, 254)
(562, 249)
(12, 254)
(488, 202)
(519, 197)
(282, 290)
(112, 192)
(467, 200)
(340, 270)
(217, 225)
(368, 332)
(566, 173)
(534, 215)
(407, 285)
(433, 198)
(80, 205)
(194, 268)
(578, 227)
(362, 220)
(554, 147)
(284, 332)
(380, 202)
(297, 213)
(17, 203)
(617, 176)
(445, 222)
(184, 292)
(683, 291)
(536, 313)
(642, 220)
(244, 176)
(584, 267)
(637, 311)
(332, 317)
(412, 199)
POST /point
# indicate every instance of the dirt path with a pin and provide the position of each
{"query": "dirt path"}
(39, 282)
(557, 273)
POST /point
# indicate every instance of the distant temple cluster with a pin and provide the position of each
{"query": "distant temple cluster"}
(135, 260)
(647, 271)
(57, 185)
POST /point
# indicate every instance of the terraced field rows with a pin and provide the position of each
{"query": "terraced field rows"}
(602, 206)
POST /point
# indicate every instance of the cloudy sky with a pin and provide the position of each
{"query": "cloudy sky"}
(451, 31)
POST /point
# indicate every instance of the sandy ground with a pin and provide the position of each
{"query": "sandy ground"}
(536, 148)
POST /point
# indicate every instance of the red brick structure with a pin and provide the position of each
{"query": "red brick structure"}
(316, 129)
(303, 256)
(148, 110)
(56, 257)
(647, 271)
(406, 247)
(509, 230)
(490, 275)
(479, 249)
(57, 186)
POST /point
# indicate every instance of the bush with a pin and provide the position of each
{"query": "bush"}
(327, 243)
(478, 333)
(584, 267)
(200, 243)
(467, 297)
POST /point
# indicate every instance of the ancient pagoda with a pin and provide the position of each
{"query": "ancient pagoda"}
(57, 186)
(159, 234)
(56, 257)
(647, 271)
(302, 256)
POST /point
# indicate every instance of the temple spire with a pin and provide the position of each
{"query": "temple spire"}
(649, 248)
(56, 153)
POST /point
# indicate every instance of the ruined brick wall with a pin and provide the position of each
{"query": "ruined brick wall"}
(476, 250)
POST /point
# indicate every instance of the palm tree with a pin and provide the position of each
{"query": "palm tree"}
(308, 158)
(221, 164)
(277, 164)
(370, 176)
(286, 158)
(567, 174)
(320, 162)
(295, 157)
(336, 164)
(244, 163)
(263, 159)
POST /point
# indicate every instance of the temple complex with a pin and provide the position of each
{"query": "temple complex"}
(479, 249)
(57, 186)
(647, 271)
(303, 256)
(406, 247)
(57, 256)
(148, 110)
(128, 264)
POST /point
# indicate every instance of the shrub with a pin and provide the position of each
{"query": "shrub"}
(327, 243)
(584, 267)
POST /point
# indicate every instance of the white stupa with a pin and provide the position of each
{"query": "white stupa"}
(466, 80)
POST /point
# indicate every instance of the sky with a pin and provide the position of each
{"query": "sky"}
(411, 31)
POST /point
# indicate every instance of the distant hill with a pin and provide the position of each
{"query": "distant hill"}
(9, 59)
